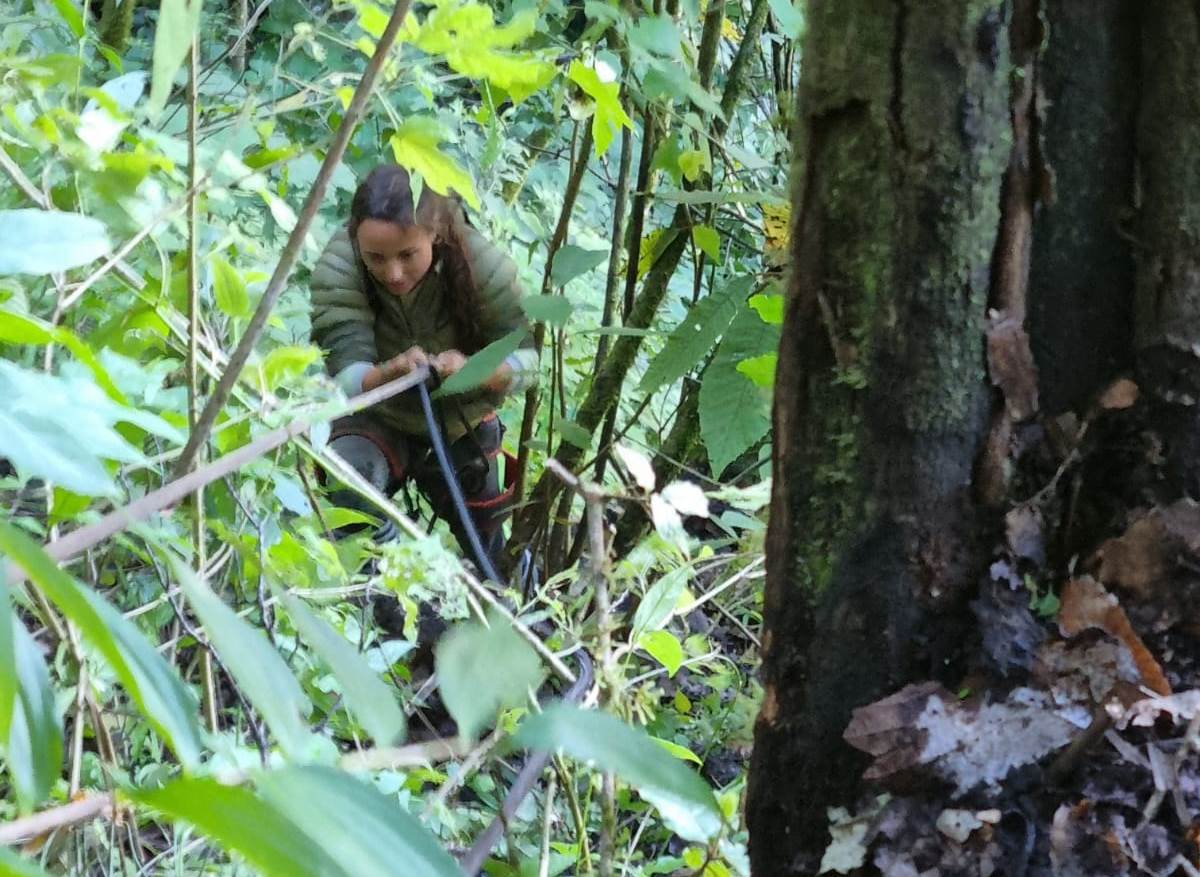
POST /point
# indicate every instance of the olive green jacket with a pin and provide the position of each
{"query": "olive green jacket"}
(356, 334)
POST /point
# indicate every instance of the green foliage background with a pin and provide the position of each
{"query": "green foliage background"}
(221, 670)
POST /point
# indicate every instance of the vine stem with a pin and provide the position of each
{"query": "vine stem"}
(291, 251)
(208, 685)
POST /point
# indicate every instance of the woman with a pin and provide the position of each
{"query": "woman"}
(406, 285)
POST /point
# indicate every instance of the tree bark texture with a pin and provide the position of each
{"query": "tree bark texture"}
(965, 171)
(902, 141)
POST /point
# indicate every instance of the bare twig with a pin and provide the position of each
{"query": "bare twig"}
(84, 810)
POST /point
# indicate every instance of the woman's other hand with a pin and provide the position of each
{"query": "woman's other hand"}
(447, 363)
(396, 367)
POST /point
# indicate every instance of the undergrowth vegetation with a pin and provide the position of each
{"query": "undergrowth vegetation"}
(208, 687)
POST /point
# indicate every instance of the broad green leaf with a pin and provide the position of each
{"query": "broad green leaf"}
(71, 15)
(291, 494)
(609, 116)
(708, 241)
(660, 601)
(178, 21)
(371, 701)
(769, 307)
(693, 162)
(734, 413)
(664, 647)
(482, 669)
(44, 241)
(35, 744)
(571, 262)
(705, 196)
(367, 833)
(480, 366)
(680, 752)
(286, 363)
(240, 821)
(12, 865)
(667, 80)
(62, 429)
(229, 290)
(789, 15)
(685, 801)
(656, 35)
(695, 336)
(653, 246)
(760, 369)
(158, 692)
(258, 669)
(552, 309)
(25, 329)
(574, 433)
(415, 146)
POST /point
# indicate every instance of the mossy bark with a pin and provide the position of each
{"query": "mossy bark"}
(902, 140)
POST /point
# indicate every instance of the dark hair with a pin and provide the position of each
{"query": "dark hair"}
(386, 195)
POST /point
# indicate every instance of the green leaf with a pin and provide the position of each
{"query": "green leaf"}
(708, 241)
(789, 16)
(680, 752)
(259, 670)
(71, 15)
(240, 821)
(664, 647)
(9, 685)
(483, 669)
(151, 682)
(571, 262)
(178, 21)
(705, 196)
(481, 366)
(696, 335)
(371, 701)
(769, 307)
(415, 146)
(286, 363)
(24, 329)
(693, 162)
(734, 413)
(656, 35)
(45, 241)
(609, 116)
(574, 433)
(685, 801)
(229, 290)
(552, 309)
(660, 601)
(12, 865)
(760, 369)
(367, 833)
(671, 81)
(35, 744)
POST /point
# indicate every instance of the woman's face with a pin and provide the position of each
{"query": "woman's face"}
(397, 256)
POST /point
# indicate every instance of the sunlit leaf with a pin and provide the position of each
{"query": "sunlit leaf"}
(768, 306)
(259, 670)
(664, 647)
(789, 16)
(680, 752)
(415, 145)
(708, 240)
(609, 116)
(149, 679)
(760, 369)
(43, 241)
(286, 363)
(9, 684)
(685, 801)
(25, 329)
(229, 290)
(371, 701)
(482, 669)
(72, 15)
(660, 601)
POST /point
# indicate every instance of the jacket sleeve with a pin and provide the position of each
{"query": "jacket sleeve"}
(343, 323)
(500, 293)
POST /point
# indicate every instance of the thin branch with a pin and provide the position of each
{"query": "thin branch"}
(291, 251)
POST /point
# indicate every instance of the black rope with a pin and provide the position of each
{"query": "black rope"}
(437, 440)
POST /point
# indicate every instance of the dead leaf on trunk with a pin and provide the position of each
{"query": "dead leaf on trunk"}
(1144, 556)
(1121, 393)
(1086, 606)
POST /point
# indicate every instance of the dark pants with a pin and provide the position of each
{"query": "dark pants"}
(386, 457)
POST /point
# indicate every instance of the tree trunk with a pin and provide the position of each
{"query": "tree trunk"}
(964, 168)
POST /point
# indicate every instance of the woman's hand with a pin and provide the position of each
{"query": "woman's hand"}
(448, 362)
(396, 367)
